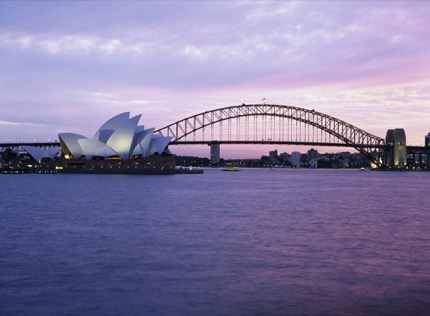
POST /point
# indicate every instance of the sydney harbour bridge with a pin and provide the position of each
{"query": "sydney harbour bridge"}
(271, 124)
(266, 124)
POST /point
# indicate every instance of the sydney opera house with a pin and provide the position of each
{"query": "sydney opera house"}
(119, 146)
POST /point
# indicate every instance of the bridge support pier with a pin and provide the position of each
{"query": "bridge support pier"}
(395, 150)
(215, 152)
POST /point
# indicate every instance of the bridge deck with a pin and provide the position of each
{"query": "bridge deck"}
(271, 142)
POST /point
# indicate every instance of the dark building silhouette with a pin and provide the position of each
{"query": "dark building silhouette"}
(427, 140)
(215, 153)
(419, 157)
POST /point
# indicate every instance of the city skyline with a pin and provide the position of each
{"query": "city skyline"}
(68, 66)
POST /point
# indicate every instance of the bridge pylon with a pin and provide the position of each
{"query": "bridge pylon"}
(395, 151)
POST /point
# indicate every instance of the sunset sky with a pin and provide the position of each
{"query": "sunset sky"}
(68, 66)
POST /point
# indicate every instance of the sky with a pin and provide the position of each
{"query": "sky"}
(68, 66)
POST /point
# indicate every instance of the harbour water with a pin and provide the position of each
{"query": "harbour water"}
(254, 242)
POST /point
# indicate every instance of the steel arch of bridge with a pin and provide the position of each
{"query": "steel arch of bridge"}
(272, 124)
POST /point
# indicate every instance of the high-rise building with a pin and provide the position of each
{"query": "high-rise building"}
(273, 154)
(215, 153)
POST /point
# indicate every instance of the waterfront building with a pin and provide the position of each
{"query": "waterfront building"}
(273, 157)
(295, 159)
(313, 156)
(418, 158)
(273, 154)
(285, 156)
(427, 140)
(215, 153)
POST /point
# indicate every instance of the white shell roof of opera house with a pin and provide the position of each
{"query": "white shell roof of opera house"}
(119, 136)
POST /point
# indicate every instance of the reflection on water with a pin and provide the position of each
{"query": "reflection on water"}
(256, 242)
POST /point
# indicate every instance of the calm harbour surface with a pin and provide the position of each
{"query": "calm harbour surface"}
(254, 242)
